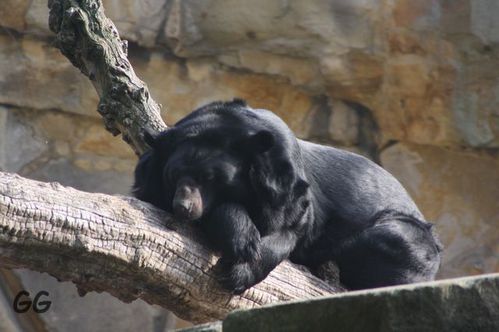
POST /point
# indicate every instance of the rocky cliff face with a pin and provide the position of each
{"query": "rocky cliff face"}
(412, 84)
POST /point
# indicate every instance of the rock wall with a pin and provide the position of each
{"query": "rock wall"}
(411, 84)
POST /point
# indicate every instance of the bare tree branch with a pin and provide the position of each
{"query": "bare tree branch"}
(91, 42)
(128, 248)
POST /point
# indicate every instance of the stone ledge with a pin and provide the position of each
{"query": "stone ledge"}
(463, 304)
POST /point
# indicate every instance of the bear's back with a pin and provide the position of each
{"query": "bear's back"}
(354, 187)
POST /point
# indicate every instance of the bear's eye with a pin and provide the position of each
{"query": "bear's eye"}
(208, 176)
(172, 174)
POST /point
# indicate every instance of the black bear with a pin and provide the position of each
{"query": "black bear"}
(262, 196)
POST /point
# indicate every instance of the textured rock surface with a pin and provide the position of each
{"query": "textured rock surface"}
(413, 84)
(34, 74)
(466, 304)
(425, 69)
(20, 137)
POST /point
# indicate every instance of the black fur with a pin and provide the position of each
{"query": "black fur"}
(276, 197)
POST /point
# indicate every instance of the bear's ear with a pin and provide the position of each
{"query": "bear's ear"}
(162, 141)
(261, 142)
(239, 102)
(147, 172)
(150, 138)
(300, 187)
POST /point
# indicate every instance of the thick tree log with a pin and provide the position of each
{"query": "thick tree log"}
(129, 249)
(92, 43)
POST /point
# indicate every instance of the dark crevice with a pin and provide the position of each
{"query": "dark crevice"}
(387, 145)
(320, 114)
(135, 51)
(14, 34)
(368, 130)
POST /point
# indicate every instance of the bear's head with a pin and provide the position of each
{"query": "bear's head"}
(201, 177)
(189, 176)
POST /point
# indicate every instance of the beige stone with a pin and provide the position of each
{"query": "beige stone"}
(37, 18)
(458, 191)
(299, 71)
(171, 85)
(139, 21)
(94, 163)
(350, 50)
(22, 145)
(424, 68)
(343, 123)
(415, 103)
(84, 164)
(125, 165)
(484, 22)
(80, 136)
(3, 137)
(62, 148)
(416, 14)
(181, 89)
(96, 140)
(475, 106)
(354, 76)
(12, 14)
(103, 164)
(299, 28)
(409, 75)
(57, 126)
(200, 69)
(292, 105)
(34, 74)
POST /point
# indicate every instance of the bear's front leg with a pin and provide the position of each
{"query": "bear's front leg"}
(274, 248)
(231, 229)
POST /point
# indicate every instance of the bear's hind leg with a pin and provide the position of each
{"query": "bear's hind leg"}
(391, 252)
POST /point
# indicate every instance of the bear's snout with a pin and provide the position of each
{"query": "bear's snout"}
(182, 209)
(187, 203)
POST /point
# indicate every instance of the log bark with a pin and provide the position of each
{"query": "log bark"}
(91, 42)
(129, 249)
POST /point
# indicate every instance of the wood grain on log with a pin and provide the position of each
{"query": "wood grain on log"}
(129, 249)
(91, 42)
